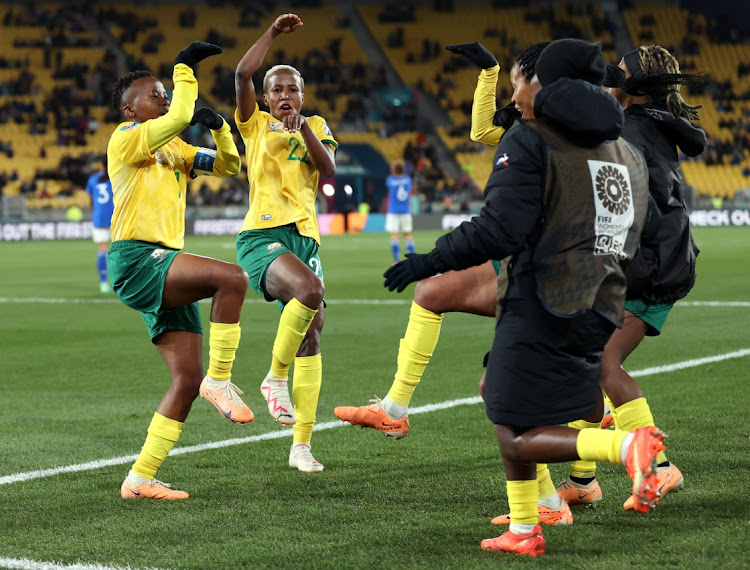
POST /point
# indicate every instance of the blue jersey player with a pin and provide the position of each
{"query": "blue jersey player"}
(99, 189)
(398, 219)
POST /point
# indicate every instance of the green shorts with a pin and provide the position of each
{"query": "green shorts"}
(256, 250)
(653, 315)
(137, 271)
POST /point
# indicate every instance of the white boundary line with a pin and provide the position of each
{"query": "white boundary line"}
(98, 464)
(26, 564)
(112, 300)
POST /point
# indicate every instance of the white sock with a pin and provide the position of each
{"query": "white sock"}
(136, 479)
(625, 446)
(551, 502)
(394, 410)
(212, 383)
(521, 528)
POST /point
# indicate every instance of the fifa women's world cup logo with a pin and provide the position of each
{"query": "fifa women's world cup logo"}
(614, 207)
(613, 190)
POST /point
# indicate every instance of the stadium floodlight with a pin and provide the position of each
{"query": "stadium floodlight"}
(328, 189)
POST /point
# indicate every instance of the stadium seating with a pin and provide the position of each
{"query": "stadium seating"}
(62, 73)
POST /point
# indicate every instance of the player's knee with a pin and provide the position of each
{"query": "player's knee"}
(425, 295)
(237, 279)
(312, 293)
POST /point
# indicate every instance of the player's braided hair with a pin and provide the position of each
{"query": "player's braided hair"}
(659, 77)
(122, 85)
(526, 60)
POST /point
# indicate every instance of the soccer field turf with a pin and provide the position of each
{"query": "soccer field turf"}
(81, 382)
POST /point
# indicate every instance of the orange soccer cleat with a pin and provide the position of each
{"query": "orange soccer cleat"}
(640, 461)
(561, 516)
(575, 494)
(151, 489)
(531, 544)
(226, 399)
(669, 479)
(373, 416)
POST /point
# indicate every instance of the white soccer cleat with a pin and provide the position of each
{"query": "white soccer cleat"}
(276, 393)
(300, 457)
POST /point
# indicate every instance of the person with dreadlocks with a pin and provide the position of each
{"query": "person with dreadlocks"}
(657, 121)
(472, 290)
(148, 166)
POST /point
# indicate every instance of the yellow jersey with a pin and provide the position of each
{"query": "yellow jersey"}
(283, 181)
(149, 165)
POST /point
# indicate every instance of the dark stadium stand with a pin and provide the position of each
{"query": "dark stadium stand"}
(59, 61)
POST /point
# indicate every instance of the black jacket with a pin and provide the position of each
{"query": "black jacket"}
(663, 270)
(517, 194)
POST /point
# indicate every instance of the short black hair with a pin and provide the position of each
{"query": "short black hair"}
(526, 60)
(122, 85)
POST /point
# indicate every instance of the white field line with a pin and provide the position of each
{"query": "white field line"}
(26, 564)
(98, 464)
(401, 301)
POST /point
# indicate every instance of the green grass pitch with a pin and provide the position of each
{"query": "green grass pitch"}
(80, 382)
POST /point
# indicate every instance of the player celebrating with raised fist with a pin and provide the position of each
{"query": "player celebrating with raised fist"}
(148, 165)
(278, 246)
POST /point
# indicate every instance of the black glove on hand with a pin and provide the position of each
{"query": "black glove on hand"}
(476, 52)
(195, 52)
(208, 117)
(506, 116)
(415, 267)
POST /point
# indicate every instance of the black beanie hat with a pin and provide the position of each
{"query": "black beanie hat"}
(575, 59)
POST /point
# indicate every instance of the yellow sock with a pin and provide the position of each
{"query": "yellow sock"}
(293, 325)
(308, 375)
(415, 351)
(522, 499)
(637, 414)
(223, 340)
(163, 433)
(608, 402)
(544, 481)
(600, 445)
(579, 467)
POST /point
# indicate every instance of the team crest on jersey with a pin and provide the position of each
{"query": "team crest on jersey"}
(275, 127)
(266, 217)
(273, 246)
(159, 254)
(502, 160)
(163, 158)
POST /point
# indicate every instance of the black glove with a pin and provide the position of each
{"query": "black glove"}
(195, 52)
(615, 76)
(415, 267)
(208, 117)
(504, 117)
(476, 52)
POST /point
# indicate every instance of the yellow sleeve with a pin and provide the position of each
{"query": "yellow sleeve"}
(164, 129)
(227, 161)
(485, 106)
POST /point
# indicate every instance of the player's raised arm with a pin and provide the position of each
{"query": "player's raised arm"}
(225, 160)
(180, 110)
(252, 60)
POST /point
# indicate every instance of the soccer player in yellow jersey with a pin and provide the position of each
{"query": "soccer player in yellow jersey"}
(278, 246)
(472, 290)
(148, 165)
